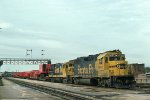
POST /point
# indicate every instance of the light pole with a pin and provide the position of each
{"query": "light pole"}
(42, 53)
(30, 52)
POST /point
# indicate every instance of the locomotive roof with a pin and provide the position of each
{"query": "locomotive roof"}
(87, 58)
(105, 53)
(91, 57)
(70, 61)
(101, 55)
(57, 64)
(113, 51)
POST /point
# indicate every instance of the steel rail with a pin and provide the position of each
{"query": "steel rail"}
(64, 94)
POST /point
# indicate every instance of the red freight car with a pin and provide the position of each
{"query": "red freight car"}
(25, 74)
(15, 74)
(41, 73)
(34, 74)
(21, 74)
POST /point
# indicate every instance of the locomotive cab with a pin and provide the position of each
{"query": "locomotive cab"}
(112, 66)
(117, 65)
(68, 69)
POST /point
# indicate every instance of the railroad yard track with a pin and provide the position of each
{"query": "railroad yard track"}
(143, 87)
(64, 94)
(83, 92)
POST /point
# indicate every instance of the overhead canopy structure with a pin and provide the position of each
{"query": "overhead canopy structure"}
(23, 61)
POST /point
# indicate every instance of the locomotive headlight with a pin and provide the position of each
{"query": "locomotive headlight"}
(122, 66)
(118, 66)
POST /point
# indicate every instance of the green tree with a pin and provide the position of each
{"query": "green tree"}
(147, 69)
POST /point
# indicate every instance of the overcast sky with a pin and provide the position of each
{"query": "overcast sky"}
(67, 29)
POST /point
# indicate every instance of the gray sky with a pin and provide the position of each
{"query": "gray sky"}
(67, 29)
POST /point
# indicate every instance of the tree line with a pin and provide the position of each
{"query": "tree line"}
(147, 69)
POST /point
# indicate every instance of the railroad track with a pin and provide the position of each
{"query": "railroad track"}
(144, 87)
(1, 83)
(64, 94)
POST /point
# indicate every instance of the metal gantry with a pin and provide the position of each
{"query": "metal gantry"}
(23, 61)
(29, 52)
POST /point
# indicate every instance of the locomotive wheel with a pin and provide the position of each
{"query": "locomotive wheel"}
(99, 84)
(117, 86)
(41, 77)
(61, 80)
(52, 80)
(64, 81)
(76, 81)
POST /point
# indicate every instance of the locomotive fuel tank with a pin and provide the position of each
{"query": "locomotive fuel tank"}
(87, 81)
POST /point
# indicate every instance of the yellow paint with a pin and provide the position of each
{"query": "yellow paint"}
(109, 68)
(110, 63)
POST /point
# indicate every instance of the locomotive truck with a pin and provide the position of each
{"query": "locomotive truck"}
(108, 69)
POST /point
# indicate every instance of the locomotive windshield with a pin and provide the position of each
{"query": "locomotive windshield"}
(114, 58)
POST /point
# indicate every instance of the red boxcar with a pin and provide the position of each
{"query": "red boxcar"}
(41, 73)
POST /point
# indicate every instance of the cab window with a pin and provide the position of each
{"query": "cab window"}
(106, 59)
(63, 66)
(101, 61)
(70, 65)
(114, 58)
(66, 66)
(122, 58)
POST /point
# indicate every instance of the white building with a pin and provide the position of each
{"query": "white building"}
(143, 78)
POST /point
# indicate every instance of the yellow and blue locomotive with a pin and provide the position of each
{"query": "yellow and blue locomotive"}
(108, 69)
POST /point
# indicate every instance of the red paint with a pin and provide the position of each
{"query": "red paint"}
(34, 74)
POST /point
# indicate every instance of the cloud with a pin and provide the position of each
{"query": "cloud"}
(5, 25)
(69, 29)
(29, 31)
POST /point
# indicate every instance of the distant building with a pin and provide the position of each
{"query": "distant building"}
(136, 69)
(148, 75)
(143, 78)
